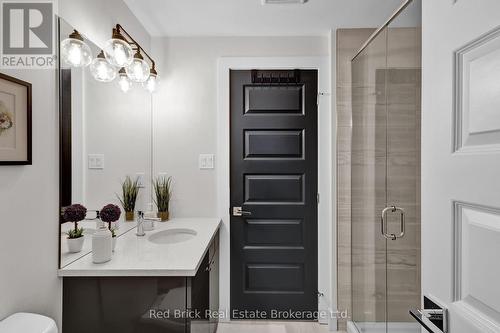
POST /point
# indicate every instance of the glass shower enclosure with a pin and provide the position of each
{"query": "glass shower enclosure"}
(385, 176)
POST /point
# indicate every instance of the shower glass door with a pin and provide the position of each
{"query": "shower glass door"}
(402, 86)
(369, 187)
(385, 180)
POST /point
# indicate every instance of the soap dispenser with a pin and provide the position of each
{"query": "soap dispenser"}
(102, 245)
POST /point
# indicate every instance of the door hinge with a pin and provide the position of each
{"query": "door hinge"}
(317, 198)
(319, 95)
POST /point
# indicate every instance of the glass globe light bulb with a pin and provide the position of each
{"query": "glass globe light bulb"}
(138, 71)
(151, 82)
(118, 52)
(75, 52)
(102, 70)
(123, 81)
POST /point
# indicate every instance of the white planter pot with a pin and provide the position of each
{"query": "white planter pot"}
(75, 244)
(114, 243)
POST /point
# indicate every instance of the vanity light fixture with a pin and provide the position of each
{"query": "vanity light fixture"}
(151, 82)
(120, 52)
(138, 70)
(101, 69)
(123, 80)
(117, 50)
(75, 52)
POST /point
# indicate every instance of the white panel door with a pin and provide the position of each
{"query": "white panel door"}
(461, 161)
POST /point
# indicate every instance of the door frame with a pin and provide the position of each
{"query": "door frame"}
(327, 233)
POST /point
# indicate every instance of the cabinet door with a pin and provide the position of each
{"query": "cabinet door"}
(203, 293)
(214, 284)
(123, 304)
(198, 298)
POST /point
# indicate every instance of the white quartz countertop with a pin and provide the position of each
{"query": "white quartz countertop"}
(138, 256)
(89, 227)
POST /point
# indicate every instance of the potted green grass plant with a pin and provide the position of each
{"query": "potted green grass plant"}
(74, 213)
(130, 191)
(162, 186)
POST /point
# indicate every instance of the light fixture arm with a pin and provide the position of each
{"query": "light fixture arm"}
(118, 29)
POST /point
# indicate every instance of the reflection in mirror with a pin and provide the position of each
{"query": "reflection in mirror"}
(105, 136)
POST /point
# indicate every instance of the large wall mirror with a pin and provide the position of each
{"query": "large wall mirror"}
(105, 136)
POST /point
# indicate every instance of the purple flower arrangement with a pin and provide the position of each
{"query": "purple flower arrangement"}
(74, 213)
(110, 213)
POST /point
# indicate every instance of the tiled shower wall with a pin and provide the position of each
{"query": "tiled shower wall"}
(366, 292)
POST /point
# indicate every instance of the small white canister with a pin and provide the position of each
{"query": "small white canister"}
(102, 245)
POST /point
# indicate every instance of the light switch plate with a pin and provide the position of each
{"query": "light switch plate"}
(206, 161)
(96, 161)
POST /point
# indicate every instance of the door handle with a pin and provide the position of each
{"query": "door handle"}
(402, 222)
(238, 211)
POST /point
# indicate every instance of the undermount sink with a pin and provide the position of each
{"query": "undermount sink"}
(172, 236)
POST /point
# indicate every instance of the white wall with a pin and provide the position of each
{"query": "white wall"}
(29, 205)
(334, 304)
(29, 194)
(185, 107)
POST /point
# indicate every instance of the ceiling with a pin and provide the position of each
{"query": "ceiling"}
(251, 18)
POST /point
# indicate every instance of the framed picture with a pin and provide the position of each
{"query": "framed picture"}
(15, 121)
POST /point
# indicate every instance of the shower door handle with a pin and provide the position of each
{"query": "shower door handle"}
(383, 222)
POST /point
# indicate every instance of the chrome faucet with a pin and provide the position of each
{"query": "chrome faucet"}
(140, 224)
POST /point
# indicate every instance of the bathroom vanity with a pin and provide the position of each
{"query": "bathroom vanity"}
(165, 281)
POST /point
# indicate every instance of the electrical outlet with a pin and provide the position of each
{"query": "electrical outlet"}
(96, 161)
(206, 161)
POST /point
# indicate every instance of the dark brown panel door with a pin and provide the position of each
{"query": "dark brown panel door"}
(274, 181)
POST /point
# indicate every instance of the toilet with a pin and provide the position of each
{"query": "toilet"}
(27, 323)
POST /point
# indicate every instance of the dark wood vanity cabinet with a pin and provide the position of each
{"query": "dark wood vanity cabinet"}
(151, 304)
(203, 293)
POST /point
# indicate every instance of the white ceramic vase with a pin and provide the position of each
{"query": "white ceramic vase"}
(75, 245)
(102, 245)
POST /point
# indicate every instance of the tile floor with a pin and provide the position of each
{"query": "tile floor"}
(272, 327)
